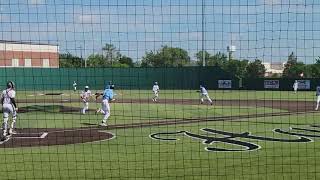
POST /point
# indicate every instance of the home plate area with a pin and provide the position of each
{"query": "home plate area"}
(50, 137)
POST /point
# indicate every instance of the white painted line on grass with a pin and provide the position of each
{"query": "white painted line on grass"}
(43, 135)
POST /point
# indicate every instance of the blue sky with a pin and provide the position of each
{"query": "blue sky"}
(264, 29)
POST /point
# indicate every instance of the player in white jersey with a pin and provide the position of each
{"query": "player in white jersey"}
(85, 96)
(204, 93)
(9, 106)
(74, 86)
(155, 90)
(295, 86)
(318, 97)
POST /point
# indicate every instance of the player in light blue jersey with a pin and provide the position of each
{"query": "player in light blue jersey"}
(107, 96)
(318, 97)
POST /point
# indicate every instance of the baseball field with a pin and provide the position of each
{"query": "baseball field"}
(244, 135)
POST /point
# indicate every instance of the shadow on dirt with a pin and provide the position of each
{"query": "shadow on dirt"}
(53, 94)
(48, 109)
(89, 124)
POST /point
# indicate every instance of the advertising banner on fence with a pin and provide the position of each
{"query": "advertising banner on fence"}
(271, 84)
(224, 84)
(303, 84)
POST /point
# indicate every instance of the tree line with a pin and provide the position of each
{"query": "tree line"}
(176, 57)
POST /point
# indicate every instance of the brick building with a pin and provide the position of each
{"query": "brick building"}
(32, 55)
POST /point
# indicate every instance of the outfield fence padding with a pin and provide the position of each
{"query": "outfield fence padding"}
(124, 78)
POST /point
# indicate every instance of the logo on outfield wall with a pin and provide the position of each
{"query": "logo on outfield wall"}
(224, 84)
(224, 141)
(271, 84)
(303, 84)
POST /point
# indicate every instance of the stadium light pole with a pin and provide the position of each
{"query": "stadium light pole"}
(203, 35)
(85, 61)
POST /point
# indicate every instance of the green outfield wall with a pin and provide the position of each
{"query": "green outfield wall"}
(136, 78)
(124, 78)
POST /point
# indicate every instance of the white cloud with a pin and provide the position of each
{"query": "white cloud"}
(36, 2)
(4, 18)
(87, 19)
(271, 2)
(284, 2)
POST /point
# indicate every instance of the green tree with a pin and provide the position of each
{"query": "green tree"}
(110, 57)
(111, 54)
(295, 70)
(314, 69)
(67, 60)
(236, 68)
(219, 59)
(255, 69)
(126, 60)
(166, 57)
(199, 56)
(97, 60)
(292, 67)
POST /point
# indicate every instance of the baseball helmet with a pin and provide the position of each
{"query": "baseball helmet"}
(107, 87)
(86, 87)
(156, 83)
(10, 84)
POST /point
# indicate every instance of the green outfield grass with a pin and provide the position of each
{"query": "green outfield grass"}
(183, 94)
(134, 155)
(49, 115)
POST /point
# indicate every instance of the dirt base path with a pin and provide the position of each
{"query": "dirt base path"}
(294, 106)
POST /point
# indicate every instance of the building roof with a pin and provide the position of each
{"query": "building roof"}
(27, 42)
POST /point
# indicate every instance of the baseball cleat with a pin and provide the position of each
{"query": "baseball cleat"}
(98, 110)
(103, 124)
(12, 132)
(3, 138)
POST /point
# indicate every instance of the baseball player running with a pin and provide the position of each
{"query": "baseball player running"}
(295, 86)
(204, 93)
(155, 90)
(74, 86)
(107, 96)
(9, 106)
(318, 97)
(85, 96)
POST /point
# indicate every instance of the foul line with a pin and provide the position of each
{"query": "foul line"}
(43, 135)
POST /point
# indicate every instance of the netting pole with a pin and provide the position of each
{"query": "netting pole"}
(203, 35)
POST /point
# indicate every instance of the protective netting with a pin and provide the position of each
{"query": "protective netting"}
(160, 89)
